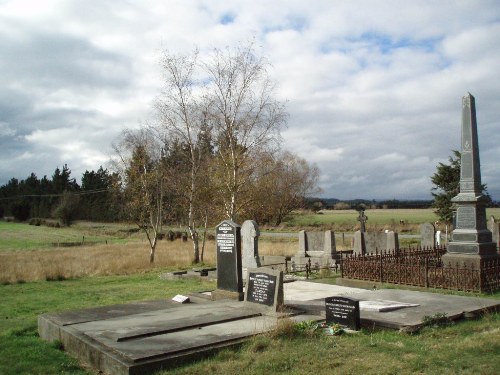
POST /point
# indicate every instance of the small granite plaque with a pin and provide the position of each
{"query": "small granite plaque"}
(261, 288)
(344, 311)
(264, 286)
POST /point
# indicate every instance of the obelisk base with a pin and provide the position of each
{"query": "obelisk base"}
(487, 251)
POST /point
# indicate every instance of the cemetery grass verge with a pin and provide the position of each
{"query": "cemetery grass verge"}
(23, 352)
(466, 347)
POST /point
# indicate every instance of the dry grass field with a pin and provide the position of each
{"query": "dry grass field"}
(61, 263)
(30, 253)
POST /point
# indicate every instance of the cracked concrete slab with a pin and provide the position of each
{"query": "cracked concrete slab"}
(142, 337)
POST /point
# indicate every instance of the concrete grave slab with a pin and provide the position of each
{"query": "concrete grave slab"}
(142, 337)
(408, 318)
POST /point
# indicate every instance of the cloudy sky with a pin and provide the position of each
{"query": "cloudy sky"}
(373, 88)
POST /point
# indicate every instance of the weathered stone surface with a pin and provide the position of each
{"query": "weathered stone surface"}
(144, 337)
(494, 228)
(370, 242)
(470, 240)
(428, 235)
(318, 247)
(250, 244)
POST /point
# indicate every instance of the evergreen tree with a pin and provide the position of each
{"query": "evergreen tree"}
(446, 182)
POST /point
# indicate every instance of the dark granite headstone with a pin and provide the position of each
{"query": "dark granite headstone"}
(261, 288)
(264, 286)
(344, 311)
(229, 274)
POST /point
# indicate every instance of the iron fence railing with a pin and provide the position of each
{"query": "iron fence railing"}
(423, 268)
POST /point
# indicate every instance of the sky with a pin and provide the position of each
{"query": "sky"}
(373, 88)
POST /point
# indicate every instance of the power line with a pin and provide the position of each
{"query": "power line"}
(85, 192)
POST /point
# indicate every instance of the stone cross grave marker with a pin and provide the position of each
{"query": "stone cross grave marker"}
(229, 274)
(344, 311)
(250, 244)
(265, 286)
(362, 218)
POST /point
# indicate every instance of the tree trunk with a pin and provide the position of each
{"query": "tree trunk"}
(204, 237)
(196, 246)
(152, 255)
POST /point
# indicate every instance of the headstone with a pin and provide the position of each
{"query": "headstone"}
(494, 228)
(438, 238)
(428, 235)
(302, 243)
(370, 242)
(344, 311)
(229, 273)
(471, 241)
(319, 247)
(250, 244)
(265, 287)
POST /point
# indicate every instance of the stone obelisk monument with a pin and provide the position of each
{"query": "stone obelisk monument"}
(471, 240)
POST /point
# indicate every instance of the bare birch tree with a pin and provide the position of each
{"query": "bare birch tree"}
(183, 119)
(245, 116)
(144, 175)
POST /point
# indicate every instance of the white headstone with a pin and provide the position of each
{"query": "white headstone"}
(438, 238)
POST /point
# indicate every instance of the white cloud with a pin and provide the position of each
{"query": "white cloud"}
(373, 89)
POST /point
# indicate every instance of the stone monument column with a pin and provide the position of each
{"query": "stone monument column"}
(471, 241)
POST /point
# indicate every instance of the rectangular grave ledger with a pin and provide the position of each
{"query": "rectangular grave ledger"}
(344, 311)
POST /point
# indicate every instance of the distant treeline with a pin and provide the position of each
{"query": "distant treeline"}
(95, 199)
(316, 204)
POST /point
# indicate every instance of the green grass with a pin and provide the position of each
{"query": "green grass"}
(23, 352)
(21, 236)
(378, 217)
(468, 347)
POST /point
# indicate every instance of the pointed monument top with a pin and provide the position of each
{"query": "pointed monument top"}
(470, 173)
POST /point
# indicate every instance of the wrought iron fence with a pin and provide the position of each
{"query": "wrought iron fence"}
(423, 268)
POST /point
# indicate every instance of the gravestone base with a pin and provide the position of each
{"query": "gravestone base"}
(322, 260)
(471, 260)
(219, 294)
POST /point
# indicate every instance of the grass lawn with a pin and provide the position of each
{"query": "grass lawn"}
(346, 220)
(23, 352)
(21, 236)
(468, 347)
